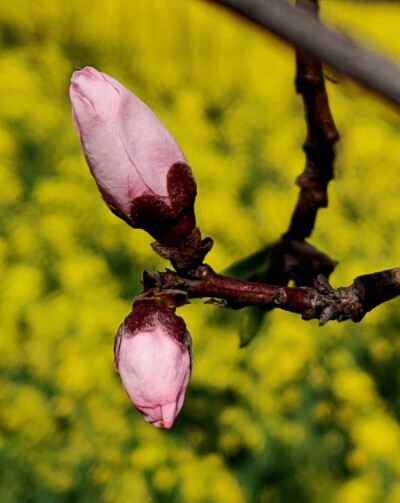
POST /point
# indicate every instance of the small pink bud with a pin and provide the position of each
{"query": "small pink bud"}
(138, 167)
(153, 356)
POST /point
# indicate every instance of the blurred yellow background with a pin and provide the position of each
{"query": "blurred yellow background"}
(303, 414)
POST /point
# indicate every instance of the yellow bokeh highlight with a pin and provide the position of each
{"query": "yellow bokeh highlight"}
(303, 414)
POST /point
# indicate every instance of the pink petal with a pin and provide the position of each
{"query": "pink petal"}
(154, 368)
(169, 414)
(105, 155)
(149, 145)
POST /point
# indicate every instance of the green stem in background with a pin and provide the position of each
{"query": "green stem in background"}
(302, 29)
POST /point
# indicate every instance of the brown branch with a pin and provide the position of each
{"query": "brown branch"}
(302, 29)
(292, 258)
(320, 301)
(321, 136)
(298, 260)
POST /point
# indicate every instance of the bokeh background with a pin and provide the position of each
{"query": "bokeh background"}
(303, 414)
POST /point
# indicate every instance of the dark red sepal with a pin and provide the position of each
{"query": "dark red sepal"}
(168, 223)
(146, 315)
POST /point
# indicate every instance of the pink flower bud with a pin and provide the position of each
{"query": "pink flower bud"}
(153, 356)
(138, 167)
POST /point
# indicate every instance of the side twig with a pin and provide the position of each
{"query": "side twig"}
(292, 258)
(321, 136)
(320, 301)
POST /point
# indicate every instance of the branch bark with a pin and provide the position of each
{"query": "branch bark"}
(320, 301)
(321, 137)
(302, 29)
(292, 258)
(299, 260)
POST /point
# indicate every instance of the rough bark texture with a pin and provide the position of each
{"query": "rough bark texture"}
(319, 301)
(292, 258)
(321, 137)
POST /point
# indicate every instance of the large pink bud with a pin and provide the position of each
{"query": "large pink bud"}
(139, 168)
(153, 356)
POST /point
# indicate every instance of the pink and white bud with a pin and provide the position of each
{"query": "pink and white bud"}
(153, 355)
(138, 167)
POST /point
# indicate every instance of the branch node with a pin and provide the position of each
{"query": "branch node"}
(217, 302)
(189, 254)
(280, 297)
(307, 81)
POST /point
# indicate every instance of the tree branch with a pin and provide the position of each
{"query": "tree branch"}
(320, 301)
(302, 29)
(321, 136)
(295, 258)
(292, 258)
